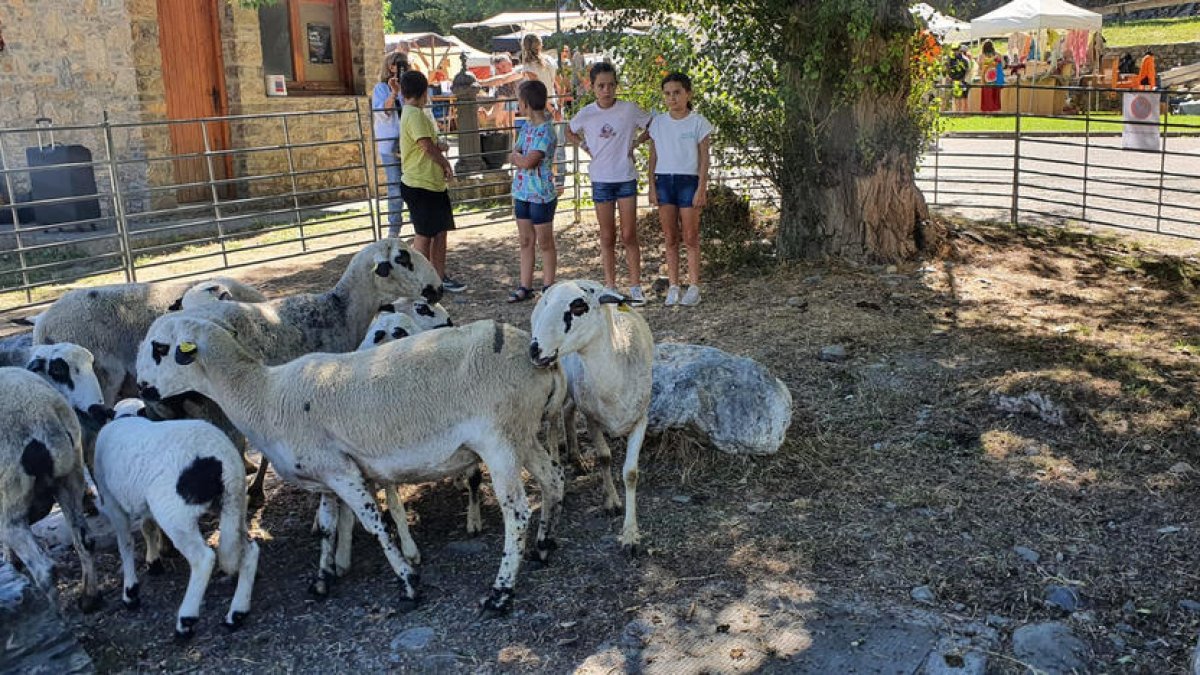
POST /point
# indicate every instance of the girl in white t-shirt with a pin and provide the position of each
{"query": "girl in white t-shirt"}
(609, 129)
(679, 181)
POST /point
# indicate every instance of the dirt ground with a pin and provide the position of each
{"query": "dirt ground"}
(901, 470)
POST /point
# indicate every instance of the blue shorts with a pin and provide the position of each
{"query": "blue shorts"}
(538, 213)
(611, 192)
(676, 189)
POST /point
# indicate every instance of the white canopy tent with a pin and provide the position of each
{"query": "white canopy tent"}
(430, 48)
(534, 22)
(944, 28)
(1034, 15)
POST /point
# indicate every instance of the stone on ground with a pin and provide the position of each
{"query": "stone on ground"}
(728, 402)
(1049, 647)
(36, 638)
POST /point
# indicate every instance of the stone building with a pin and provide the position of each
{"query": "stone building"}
(148, 61)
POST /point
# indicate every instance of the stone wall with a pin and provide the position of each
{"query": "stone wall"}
(1166, 57)
(247, 96)
(69, 66)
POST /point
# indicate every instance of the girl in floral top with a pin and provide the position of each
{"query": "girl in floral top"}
(534, 194)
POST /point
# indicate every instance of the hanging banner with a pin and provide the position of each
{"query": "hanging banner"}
(1140, 112)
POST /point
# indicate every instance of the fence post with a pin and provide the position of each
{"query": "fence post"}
(212, 185)
(118, 203)
(1016, 179)
(12, 197)
(578, 191)
(937, 150)
(1087, 146)
(372, 181)
(1162, 167)
(287, 144)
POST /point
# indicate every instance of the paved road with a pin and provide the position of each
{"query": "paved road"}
(1123, 187)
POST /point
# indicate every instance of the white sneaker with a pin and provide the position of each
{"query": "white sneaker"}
(636, 297)
(672, 296)
(692, 297)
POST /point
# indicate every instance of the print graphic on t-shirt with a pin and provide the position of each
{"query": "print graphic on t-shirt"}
(607, 131)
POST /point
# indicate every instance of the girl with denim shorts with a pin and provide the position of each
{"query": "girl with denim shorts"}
(679, 181)
(609, 127)
(534, 195)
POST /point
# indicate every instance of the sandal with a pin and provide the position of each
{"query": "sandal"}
(520, 295)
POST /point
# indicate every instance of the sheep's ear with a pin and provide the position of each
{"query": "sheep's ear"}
(37, 365)
(404, 259)
(141, 412)
(185, 353)
(177, 305)
(389, 308)
(225, 295)
(578, 307)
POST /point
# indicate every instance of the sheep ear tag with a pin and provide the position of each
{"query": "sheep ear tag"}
(185, 353)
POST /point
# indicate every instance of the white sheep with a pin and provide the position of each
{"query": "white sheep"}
(452, 397)
(68, 369)
(170, 474)
(428, 315)
(41, 461)
(289, 327)
(607, 353)
(14, 350)
(110, 322)
(388, 326)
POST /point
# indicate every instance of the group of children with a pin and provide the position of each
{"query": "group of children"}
(610, 130)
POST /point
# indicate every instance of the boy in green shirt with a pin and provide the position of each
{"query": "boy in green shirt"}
(424, 173)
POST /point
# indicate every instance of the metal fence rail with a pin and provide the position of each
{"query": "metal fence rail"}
(260, 188)
(1076, 172)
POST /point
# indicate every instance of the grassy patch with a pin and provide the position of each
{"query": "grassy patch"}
(1153, 32)
(1100, 123)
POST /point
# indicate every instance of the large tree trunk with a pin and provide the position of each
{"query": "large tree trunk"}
(848, 187)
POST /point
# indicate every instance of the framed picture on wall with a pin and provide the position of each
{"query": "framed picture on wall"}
(320, 43)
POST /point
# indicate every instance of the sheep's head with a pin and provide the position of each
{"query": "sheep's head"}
(388, 326)
(171, 358)
(204, 293)
(569, 315)
(68, 368)
(399, 270)
(427, 315)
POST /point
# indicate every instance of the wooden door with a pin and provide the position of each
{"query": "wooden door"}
(193, 74)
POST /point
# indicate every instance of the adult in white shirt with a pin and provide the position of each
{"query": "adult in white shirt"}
(679, 181)
(609, 128)
(385, 115)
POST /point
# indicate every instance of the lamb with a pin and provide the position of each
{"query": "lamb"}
(110, 321)
(68, 369)
(429, 316)
(169, 474)
(452, 397)
(607, 353)
(388, 326)
(41, 461)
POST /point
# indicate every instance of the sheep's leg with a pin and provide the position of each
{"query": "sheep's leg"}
(247, 570)
(257, 491)
(396, 508)
(549, 476)
(123, 530)
(352, 490)
(474, 517)
(572, 438)
(154, 546)
(187, 538)
(70, 498)
(20, 538)
(345, 539)
(631, 538)
(510, 493)
(612, 503)
(327, 525)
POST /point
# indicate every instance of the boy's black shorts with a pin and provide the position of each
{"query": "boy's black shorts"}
(430, 211)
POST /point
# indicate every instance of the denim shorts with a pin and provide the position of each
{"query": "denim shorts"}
(676, 189)
(538, 213)
(611, 192)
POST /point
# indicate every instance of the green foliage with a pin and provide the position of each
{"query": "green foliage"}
(389, 20)
(731, 235)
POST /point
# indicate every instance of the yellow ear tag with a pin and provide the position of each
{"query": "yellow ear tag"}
(187, 347)
(623, 308)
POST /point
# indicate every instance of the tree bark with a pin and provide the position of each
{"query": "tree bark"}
(848, 188)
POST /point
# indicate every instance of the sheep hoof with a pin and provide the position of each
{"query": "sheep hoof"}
(155, 568)
(634, 550)
(130, 598)
(405, 605)
(90, 603)
(186, 628)
(235, 620)
(89, 505)
(497, 604)
(321, 585)
(612, 510)
(539, 555)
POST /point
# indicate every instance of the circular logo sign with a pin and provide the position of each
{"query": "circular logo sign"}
(1141, 107)
(990, 76)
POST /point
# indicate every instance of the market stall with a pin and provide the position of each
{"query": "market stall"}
(1050, 43)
